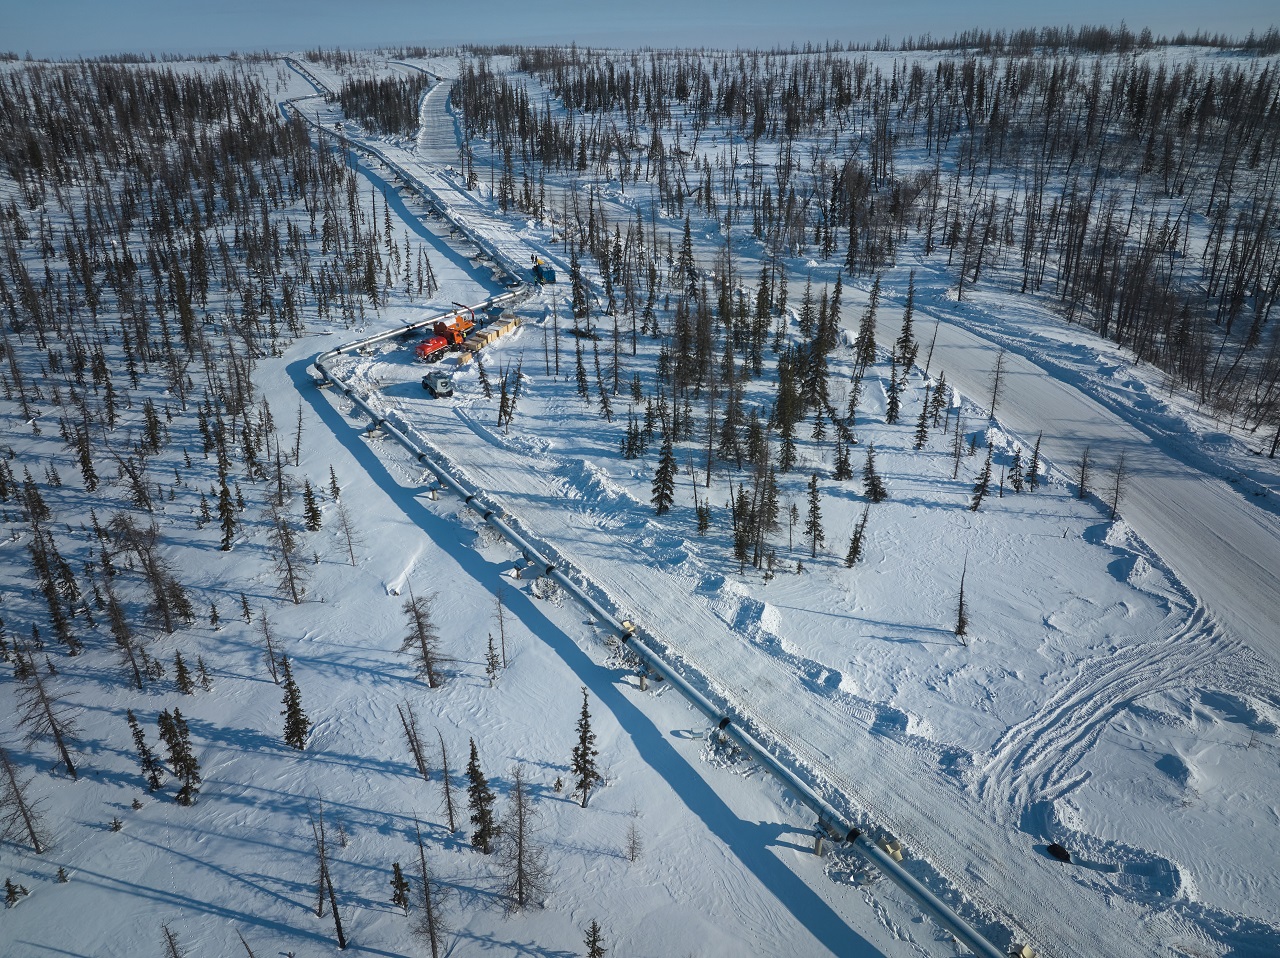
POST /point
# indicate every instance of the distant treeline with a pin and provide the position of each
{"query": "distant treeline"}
(1084, 39)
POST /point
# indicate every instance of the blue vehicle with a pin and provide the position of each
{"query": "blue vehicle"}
(543, 273)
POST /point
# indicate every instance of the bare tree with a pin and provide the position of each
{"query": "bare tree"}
(997, 382)
(431, 926)
(634, 842)
(324, 880)
(42, 715)
(410, 722)
(250, 950)
(268, 644)
(126, 640)
(500, 615)
(288, 557)
(521, 859)
(423, 640)
(19, 815)
(1082, 474)
(246, 945)
(172, 947)
(446, 784)
(1119, 478)
(350, 531)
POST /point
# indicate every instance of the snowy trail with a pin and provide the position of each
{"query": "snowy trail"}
(1033, 761)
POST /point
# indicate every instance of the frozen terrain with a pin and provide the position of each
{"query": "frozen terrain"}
(1115, 693)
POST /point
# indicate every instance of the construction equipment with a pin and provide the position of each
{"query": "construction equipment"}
(454, 332)
(438, 383)
(543, 273)
(431, 350)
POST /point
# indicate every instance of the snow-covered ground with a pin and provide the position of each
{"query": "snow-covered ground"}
(1116, 692)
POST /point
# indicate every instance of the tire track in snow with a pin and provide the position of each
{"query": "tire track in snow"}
(1033, 760)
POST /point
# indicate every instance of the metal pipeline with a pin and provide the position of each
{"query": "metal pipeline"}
(645, 646)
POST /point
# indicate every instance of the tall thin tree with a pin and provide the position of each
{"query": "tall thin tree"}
(582, 763)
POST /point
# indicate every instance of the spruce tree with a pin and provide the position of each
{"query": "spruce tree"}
(962, 606)
(226, 513)
(787, 450)
(664, 479)
(922, 424)
(580, 374)
(480, 798)
(893, 408)
(399, 888)
(807, 317)
(1033, 468)
(492, 663)
(182, 675)
(906, 346)
(581, 305)
(941, 395)
(864, 345)
(182, 761)
(872, 485)
(983, 484)
(594, 941)
(855, 541)
(296, 723)
(582, 763)
(1015, 470)
(311, 516)
(13, 892)
(813, 523)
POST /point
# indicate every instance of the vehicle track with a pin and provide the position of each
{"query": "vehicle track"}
(1033, 760)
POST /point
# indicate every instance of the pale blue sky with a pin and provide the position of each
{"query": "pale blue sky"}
(70, 28)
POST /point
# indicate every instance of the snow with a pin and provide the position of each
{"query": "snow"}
(1116, 694)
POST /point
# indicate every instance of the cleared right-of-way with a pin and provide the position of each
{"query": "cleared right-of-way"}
(1224, 547)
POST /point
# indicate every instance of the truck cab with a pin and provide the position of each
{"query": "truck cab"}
(431, 350)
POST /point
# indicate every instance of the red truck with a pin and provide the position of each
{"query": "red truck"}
(431, 350)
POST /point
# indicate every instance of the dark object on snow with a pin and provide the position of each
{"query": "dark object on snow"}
(1060, 853)
(543, 273)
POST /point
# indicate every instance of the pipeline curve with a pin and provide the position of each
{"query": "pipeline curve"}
(785, 759)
